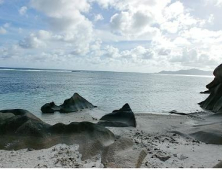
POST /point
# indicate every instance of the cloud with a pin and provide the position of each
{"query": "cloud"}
(176, 18)
(133, 35)
(211, 19)
(217, 3)
(9, 52)
(63, 15)
(193, 57)
(164, 52)
(98, 17)
(126, 22)
(6, 25)
(31, 42)
(2, 30)
(36, 40)
(179, 41)
(23, 10)
(135, 55)
(203, 36)
(1, 2)
(67, 23)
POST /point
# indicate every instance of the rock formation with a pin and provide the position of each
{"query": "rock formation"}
(122, 155)
(214, 100)
(219, 165)
(73, 104)
(20, 129)
(123, 117)
(49, 108)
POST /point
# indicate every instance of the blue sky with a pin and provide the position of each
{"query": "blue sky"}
(111, 35)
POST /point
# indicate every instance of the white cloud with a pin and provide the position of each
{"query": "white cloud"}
(194, 58)
(44, 35)
(1, 2)
(64, 15)
(215, 2)
(134, 18)
(142, 52)
(139, 35)
(6, 25)
(23, 10)
(2, 30)
(67, 22)
(211, 19)
(203, 36)
(36, 40)
(135, 55)
(31, 42)
(133, 25)
(176, 18)
(173, 10)
(111, 52)
(164, 52)
(179, 41)
(98, 17)
(107, 36)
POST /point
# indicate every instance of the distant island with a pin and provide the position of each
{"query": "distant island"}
(188, 72)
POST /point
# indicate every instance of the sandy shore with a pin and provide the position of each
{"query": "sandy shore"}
(164, 149)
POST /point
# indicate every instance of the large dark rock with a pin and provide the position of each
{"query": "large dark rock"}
(123, 117)
(73, 104)
(20, 129)
(214, 101)
(49, 108)
(219, 165)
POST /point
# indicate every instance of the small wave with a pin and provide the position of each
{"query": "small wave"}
(7, 69)
(186, 75)
(36, 70)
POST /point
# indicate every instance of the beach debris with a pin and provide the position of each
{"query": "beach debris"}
(162, 157)
(205, 92)
(181, 156)
(178, 113)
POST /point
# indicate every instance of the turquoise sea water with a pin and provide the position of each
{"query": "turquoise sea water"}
(146, 93)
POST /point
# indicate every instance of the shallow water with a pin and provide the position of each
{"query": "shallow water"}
(146, 93)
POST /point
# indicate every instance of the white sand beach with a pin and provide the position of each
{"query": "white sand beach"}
(164, 149)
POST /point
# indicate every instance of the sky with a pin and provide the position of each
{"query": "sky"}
(111, 35)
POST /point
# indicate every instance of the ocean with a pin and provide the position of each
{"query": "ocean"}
(145, 93)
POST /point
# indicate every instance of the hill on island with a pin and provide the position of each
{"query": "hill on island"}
(188, 72)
